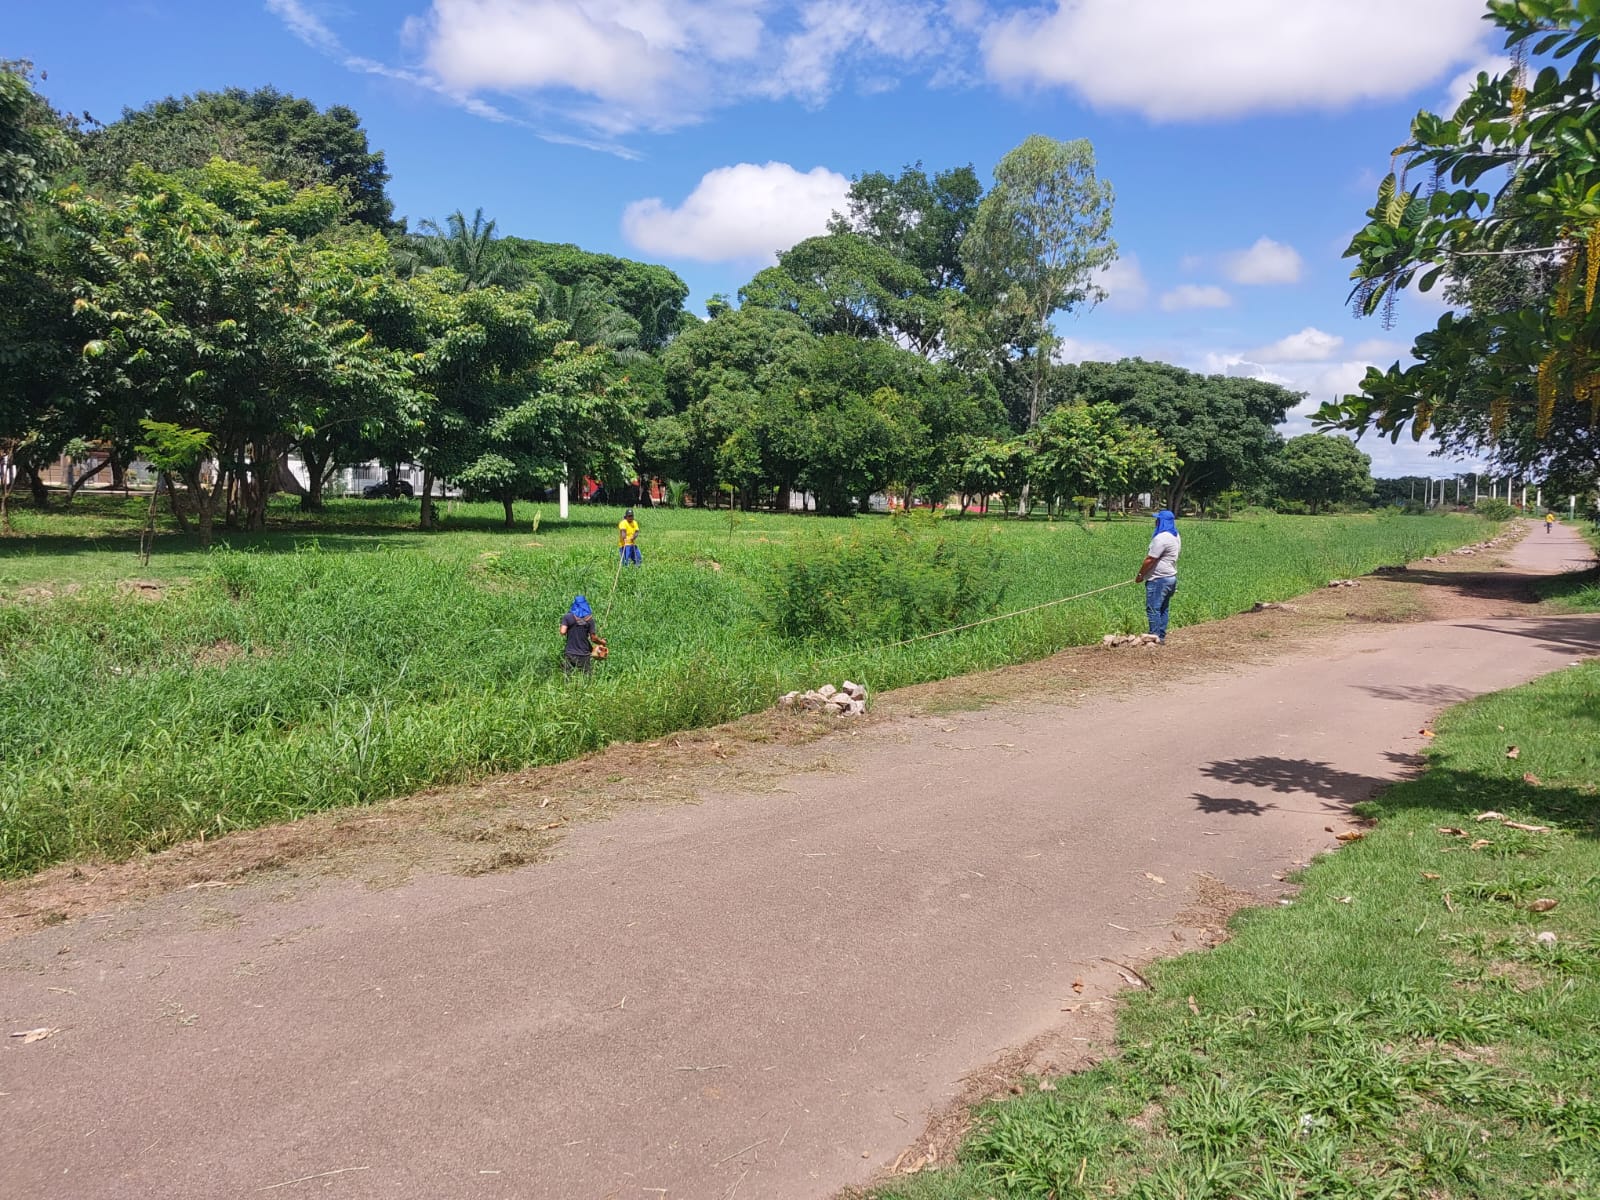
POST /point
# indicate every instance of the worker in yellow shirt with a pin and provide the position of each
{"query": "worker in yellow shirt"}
(627, 539)
(1549, 520)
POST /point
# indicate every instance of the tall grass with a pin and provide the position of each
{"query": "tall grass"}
(278, 682)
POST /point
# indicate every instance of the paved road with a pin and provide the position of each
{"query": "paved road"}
(758, 996)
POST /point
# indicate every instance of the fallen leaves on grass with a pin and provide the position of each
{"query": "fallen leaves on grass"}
(1526, 828)
(1491, 815)
(1513, 752)
(1350, 835)
(1430, 874)
(1426, 732)
(1542, 904)
(1530, 777)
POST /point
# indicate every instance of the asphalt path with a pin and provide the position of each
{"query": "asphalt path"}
(763, 995)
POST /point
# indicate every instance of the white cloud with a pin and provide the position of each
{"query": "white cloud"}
(1076, 350)
(304, 24)
(741, 212)
(831, 31)
(1266, 262)
(622, 65)
(1124, 284)
(1193, 295)
(1382, 351)
(1228, 57)
(1456, 90)
(1309, 345)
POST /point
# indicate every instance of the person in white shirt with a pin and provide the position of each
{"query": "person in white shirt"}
(1159, 572)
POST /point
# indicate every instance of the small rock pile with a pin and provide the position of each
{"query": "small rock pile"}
(1344, 583)
(849, 700)
(1272, 605)
(1493, 543)
(1130, 639)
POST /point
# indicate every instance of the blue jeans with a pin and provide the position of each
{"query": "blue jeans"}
(1157, 596)
(630, 556)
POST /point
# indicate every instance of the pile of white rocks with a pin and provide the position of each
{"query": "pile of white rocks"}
(1130, 639)
(848, 700)
(1344, 583)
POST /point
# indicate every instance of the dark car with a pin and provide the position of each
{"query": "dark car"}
(385, 490)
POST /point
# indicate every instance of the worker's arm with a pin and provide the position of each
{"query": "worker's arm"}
(563, 629)
(1145, 568)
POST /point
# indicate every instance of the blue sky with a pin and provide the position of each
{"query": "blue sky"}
(1244, 137)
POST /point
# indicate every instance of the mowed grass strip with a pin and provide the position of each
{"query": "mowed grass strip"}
(1419, 1024)
(345, 662)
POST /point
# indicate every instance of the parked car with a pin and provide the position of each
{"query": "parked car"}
(384, 490)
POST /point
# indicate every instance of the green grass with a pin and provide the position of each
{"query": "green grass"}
(343, 660)
(1399, 1030)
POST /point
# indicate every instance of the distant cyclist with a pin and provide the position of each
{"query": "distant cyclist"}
(1549, 521)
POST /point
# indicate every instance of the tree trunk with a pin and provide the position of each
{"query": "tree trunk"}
(510, 516)
(427, 520)
(317, 471)
(289, 482)
(85, 477)
(40, 493)
(164, 483)
(119, 471)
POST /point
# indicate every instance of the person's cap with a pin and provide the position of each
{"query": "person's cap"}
(629, 514)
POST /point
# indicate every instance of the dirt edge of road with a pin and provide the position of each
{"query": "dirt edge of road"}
(510, 820)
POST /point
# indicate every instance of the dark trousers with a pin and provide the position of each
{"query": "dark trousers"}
(577, 662)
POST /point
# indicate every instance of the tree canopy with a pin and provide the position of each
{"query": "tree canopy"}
(1499, 204)
(286, 137)
(1221, 427)
(1320, 469)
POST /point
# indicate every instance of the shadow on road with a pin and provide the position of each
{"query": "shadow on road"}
(1231, 806)
(1289, 776)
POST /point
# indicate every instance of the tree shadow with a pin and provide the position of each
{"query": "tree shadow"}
(1565, 635)
(1231, 806)
(1451, 793)
(1438, 694)
(1289, 776)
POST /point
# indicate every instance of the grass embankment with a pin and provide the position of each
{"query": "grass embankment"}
(347, 661)
(1412, 1025)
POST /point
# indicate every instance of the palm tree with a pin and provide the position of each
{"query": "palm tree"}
(591, 320)
(470, 250)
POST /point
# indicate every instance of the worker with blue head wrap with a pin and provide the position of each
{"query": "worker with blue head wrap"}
(1159, 572)
(577, 626)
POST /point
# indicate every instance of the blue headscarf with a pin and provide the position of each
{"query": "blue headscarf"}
(1166, 522)
(580, 608)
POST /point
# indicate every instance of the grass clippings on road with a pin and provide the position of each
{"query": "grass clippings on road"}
(1418, 1024)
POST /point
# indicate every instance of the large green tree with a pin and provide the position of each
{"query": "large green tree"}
(649, 294)
(286, 137)
(191, 313)
(1039, 239)
(1221, 427)
(35, 147)
(1499, 202)
(1320, 469)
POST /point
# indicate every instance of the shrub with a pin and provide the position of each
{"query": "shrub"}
(881, 583)
(1495, 510)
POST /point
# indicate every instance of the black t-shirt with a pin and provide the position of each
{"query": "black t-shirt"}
(578, 631)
